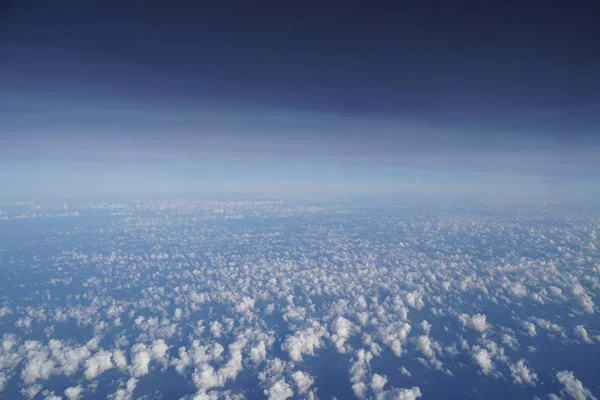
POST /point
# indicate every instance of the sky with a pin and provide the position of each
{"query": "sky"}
(278, 98)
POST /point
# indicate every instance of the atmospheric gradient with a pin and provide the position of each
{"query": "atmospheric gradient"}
(222, 199)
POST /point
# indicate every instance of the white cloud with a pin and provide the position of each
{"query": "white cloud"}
(73, 392)
(303, 381)
(483, 359)
(215, 329)
(304, 342)
(125, 392)
(140, 360)
(584, 298)
(529, 328)
(477, 321)
(400, 394)
(280, 390)
(97, 364)
(582, 334)
(342, 328)
(378, 382)
(521, 374)
(573, 386)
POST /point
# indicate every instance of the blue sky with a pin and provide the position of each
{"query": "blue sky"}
(422, 97)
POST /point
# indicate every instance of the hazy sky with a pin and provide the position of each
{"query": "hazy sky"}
(293, 98)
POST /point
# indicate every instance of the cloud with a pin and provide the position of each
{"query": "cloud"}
(529, 328)
(483, 359)
(140, 360)
(304, 342)
(280, 390)
(521, 374)
(400, 394)
(342, 328)
(573, 387)
(303, 381)
(378, 382)
(477, 321)
(125, 392)
(73, 392)
(582, 333)
(583, 297)
(97, 364)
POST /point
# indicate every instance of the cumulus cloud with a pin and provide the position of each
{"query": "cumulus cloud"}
(582, 334)
(280, 390)
(73, 392)
(477, 321)
(483, 359)
(400, 394)
(342, 328)
(97, 364)
(521, 374)
(583, 297)
(573, 386)
(303, 381)
(529, 328)
(378, 382)
(126, 391)
(304, 342)
(140, 360)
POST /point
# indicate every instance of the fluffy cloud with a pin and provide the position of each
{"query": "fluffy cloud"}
(97, 364)
(140, 360)
(521, 374)
(477, 321)
(303, 381)
(73, 392)
(483, 359)
(342, 328)
(304, 342)
(582, 334)
(573, 386)
(280, 390)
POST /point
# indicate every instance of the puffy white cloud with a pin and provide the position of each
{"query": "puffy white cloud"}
(342, 328)
(303, 381)
(518, 290)
(97, 364)
(546, 325)
(159, 351)
(73, 392)
(280, 390)
(119, 359)
(360, 390)
(583, 297)
(126, 392)
(140, 360)
(529, 328)
(378, 382)
(304, 342)
(395, 335)
(582, 334)
(215, 329)
(424, 346)
(400, 394)
(38, 365)
(258, 353)
(477, 321)
(483, 359)
(245, 305)
(573, 386)
(415, 300)
(521, 374)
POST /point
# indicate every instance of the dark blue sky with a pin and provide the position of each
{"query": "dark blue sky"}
(278, 90)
